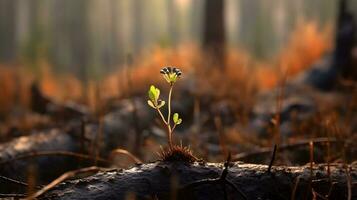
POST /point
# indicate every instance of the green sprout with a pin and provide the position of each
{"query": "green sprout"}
(171, 75)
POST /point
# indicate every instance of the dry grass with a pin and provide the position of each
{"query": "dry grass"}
(177, 153)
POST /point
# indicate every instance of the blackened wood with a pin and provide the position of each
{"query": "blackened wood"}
(47, 167)
(153, 179)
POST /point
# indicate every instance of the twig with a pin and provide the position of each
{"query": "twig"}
(127, 153)
(15, 181)
(12, 195)
(272, 158)
(52, 153)
(62, 178)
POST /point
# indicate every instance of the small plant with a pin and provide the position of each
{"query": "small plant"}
(175, 152)
(171, 75)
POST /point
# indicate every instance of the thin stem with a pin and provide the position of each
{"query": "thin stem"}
(173, 128)
(169, 115)
(170, 135)
(162, 116)
(169, 130)
(169, 104)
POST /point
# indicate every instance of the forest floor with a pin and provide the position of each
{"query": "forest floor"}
(298, 139)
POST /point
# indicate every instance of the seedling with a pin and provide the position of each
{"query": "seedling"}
(171, 75)
(175, 152)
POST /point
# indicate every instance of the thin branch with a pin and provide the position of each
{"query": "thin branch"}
(62, 178)
(272, 158)
(127, 153)
(173, 128)
(161, 115)
(15, 181)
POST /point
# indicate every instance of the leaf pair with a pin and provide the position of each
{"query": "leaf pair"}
(154, 101)
(176, 119)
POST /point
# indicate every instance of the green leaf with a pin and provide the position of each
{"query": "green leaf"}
(175, 117)
(151, 104)
(157, 94)
(152, 92)
(162, 103)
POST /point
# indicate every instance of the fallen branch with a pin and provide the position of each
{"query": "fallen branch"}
(155, 179)
(40, 150)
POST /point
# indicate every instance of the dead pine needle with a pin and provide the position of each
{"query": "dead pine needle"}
(62, 178)
(10, 180)
(120, 151)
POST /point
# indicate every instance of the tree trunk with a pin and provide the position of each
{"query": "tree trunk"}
(71, 37)
(138, 25)
(162, 180)
(214, 31)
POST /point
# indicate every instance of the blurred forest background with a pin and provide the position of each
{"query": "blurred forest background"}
(91, 38)
(254, 73)
(71, 46)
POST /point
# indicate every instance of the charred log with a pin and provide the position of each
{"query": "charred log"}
(162, 180)
(18, 156)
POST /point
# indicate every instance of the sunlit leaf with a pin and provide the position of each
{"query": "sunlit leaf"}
(151, 104)
(176, 119)
(152, 92)
(157, 93)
